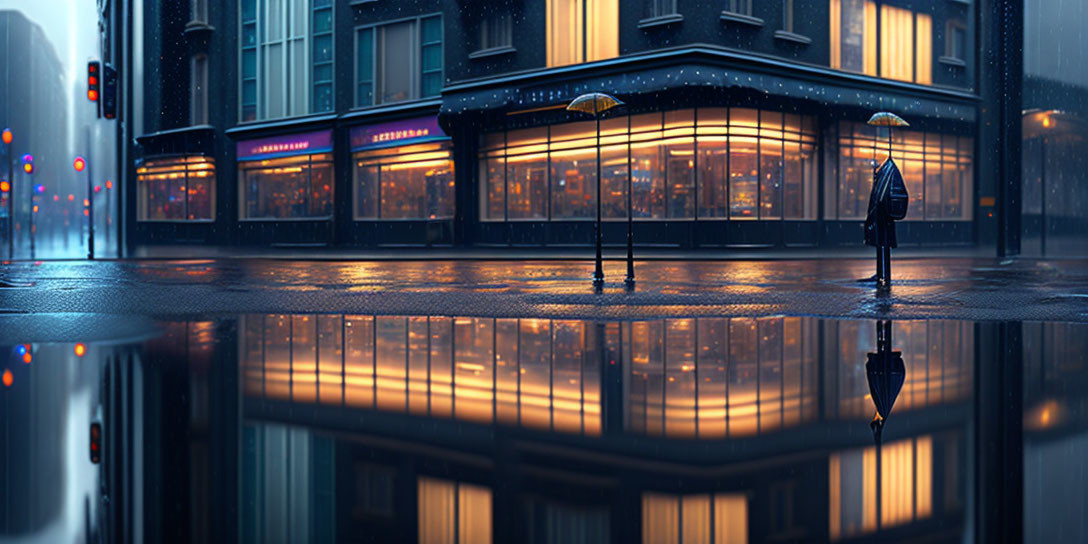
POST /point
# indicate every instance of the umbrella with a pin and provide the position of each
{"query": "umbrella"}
(594, 103)
(887, 119)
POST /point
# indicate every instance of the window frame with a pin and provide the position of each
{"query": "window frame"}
(486, 29)
(950, 43)
(198, 66)
(739, 7)
(880, 7)
(243, 201)
(417, 52)
(652, 8)
(261, 85)
(141, 191)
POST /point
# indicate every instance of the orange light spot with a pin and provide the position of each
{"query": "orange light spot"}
(35, 208)
(8, 137)
(79, 164)
(5, 186)
(87, 213)
(1046, 122)
(27, 357)
(71, 198)
(80, 349)
(8, 378)
(86, 202)
(92, 95)
(109, 184)
(28, 168)
(92, 80)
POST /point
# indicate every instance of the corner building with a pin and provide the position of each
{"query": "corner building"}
(443, 123)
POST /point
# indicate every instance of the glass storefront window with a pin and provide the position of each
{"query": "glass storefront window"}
(409, 182)
(729, 166)
(298, 187)
(902, 41)
(176, 189)
(937, 169)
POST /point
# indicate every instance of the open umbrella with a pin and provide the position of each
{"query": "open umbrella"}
(595, 104)
(887, 119)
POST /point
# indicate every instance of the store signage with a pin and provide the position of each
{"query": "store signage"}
(407, 131)
(285, 146)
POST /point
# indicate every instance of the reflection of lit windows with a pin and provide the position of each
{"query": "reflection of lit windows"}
(413, 182)
(901, 47)
(734, 163)
(453, 512)
(717, 377)
(536, 373)
(937, 169)
(903, 479)
(176, 189)
(582, 31)
(398, 61)
(717, 518)
(287, 188)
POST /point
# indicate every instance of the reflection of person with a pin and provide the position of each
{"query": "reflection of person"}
(886, 373)
(880, 220)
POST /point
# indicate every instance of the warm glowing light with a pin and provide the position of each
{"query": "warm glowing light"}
(79, 164)
(27, 358)
(97, 188)
(8, 378)
(92, 95)
(80, 349)
(28, 167)
(109, 184)
(71, 198)
(5, 186)
(7, 136)
(1046, 121)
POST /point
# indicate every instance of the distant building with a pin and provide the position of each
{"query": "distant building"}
(34, 105)
(442, 122)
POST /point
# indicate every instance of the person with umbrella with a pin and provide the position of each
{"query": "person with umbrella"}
(885, 372)
(888, 202)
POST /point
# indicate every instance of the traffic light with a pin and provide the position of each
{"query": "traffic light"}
(94, 84)
(79, 164)
(28, 163)
(96, 442)
(109, 92)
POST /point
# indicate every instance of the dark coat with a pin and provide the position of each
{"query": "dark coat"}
(886, 373)
(879, 225)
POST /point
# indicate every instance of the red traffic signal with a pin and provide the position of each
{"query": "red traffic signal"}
(96, 443)
(93, 80)
(79, 164)
(7, 137)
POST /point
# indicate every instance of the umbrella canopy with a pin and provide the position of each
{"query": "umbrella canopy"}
(594, 103)
(887, 119)
(886, 373)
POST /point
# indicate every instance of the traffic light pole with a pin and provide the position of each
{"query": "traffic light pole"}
(30, 183)
(90, 199)
(11, 202)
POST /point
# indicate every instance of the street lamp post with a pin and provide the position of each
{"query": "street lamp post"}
(596, 103)
(28, 167)
(80, 164)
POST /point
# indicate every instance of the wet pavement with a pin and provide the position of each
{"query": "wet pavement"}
(976, 289)
(721, 402)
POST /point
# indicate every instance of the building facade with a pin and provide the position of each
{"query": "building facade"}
(443, 122)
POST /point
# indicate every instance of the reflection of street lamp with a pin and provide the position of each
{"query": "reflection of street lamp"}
(597, 103)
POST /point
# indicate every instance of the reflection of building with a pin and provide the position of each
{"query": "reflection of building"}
(34, 105)
(538, 430)
(431, 123)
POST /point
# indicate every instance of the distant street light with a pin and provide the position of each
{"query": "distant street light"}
(28, 167)
(596, 103)
(80, 164)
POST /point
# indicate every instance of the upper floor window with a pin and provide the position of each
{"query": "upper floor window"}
(740, 7)
(496, 31)
(198, 11)
(582, 31)
(198, 90)
(661, 8)
(286, 58)
(899, 47)
(955, 46)
(398, 61)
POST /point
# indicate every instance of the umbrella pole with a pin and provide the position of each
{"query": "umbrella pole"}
(598, 272)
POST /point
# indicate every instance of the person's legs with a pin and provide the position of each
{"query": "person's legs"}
(887, 260)
(879, 263)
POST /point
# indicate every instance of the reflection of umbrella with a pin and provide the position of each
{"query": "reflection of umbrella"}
(886, 373)
(594, 103)
(887, 119)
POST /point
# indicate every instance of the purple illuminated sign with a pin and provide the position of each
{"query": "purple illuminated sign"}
(406, 131)
(285, 146)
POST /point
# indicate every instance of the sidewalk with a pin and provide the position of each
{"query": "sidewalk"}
(521, 253)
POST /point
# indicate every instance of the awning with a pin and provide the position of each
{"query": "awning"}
(704, 70)
(285, 145)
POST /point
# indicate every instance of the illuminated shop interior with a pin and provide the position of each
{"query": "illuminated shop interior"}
(298, 187)
(176, 189)
(407, 182)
